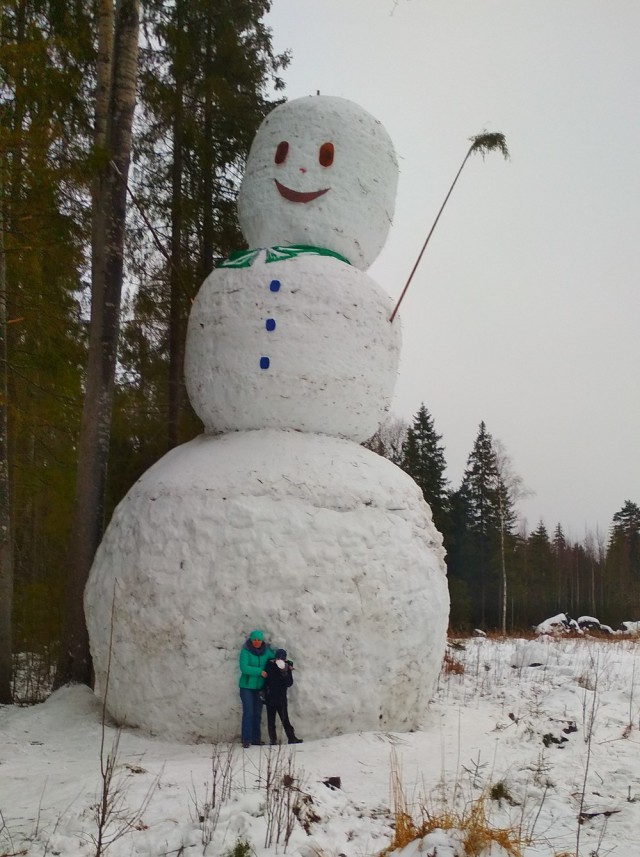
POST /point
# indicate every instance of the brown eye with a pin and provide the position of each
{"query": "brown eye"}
(281, 152)
(325, 156)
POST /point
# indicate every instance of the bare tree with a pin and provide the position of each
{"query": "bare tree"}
(388, 439)
(393, 432)
(118, 31)
(594, 545)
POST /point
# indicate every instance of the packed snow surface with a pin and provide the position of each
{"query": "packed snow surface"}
(562, 739)
(304, 344)
(322, 544)
(321, 171)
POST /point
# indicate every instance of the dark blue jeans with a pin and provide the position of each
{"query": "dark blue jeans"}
(251, 715)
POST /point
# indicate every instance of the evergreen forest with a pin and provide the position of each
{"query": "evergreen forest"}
(500, 575)
(124, 128)
(123, 134)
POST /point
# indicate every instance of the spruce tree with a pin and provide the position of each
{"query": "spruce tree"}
(625, 537)
(480, 486)
(46, 55)
(463, 613)
(560, 552)
(623, 561)
(541, 568)
(519, 594)
(423, 459)
(206, 83)
(477, 529)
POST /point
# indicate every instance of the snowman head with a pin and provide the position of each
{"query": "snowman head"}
(321, 171)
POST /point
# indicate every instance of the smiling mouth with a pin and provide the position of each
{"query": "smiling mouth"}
(297, 196)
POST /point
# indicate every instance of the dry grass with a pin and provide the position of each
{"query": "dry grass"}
(476, 831)
(529, 634)
(523, 634)
(472, 825)
(405, 829)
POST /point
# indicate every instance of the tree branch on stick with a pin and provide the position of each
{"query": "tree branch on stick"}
(482, 143)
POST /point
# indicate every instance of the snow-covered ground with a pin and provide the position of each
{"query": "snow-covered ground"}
(532, 733)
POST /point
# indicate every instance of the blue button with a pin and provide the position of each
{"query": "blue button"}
(264, 362)
(270, 324)
(274, 285)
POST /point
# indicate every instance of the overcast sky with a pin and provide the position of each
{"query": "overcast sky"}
(525, 310)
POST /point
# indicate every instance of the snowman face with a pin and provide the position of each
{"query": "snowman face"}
(321, 171)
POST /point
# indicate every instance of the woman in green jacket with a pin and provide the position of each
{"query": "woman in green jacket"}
(253, 658)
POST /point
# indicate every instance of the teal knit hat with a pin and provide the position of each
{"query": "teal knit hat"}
(256, 635)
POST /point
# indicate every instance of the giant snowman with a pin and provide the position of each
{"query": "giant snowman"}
(276, 518)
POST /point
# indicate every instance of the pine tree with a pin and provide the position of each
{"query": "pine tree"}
(423, 459)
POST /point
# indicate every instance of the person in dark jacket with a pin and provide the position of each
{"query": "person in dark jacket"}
(278, 680)
(253, 659)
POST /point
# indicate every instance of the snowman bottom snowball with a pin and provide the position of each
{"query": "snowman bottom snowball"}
(323, 544)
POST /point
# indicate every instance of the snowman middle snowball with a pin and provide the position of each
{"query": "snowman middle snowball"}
(297, 336)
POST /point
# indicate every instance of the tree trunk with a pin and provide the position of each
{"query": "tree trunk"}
(208, 166)
(503, 562)
(109, 211)
(176, 337)
(6, 547)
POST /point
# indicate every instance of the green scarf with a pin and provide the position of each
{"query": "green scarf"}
(246, 258)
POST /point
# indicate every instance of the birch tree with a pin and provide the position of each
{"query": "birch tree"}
(510, 489)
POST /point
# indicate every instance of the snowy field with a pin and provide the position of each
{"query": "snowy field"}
(522, 739)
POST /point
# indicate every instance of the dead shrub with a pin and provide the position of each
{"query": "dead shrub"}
(451, 665)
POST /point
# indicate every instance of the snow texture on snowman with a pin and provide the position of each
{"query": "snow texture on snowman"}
(276, 518)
